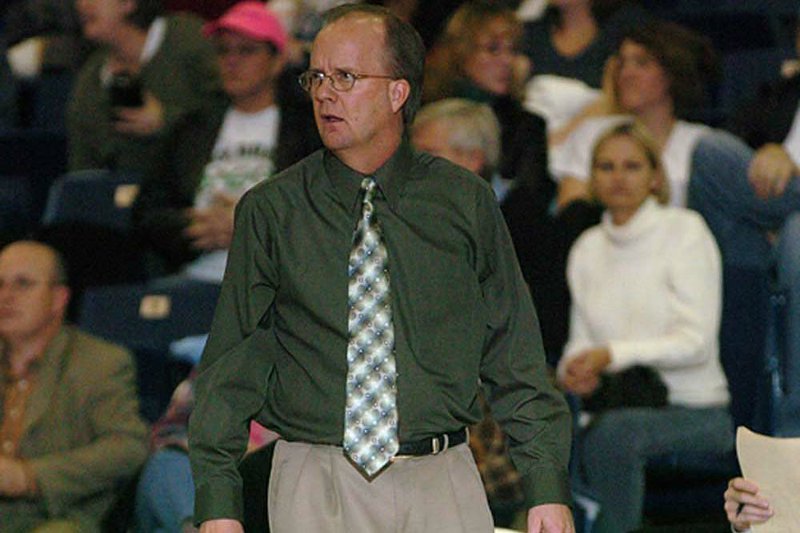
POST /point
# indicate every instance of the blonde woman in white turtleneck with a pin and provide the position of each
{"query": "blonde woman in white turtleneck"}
(646, 290)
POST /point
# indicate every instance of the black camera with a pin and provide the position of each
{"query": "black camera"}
(125, 91)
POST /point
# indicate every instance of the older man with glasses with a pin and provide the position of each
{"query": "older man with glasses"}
(370, 290)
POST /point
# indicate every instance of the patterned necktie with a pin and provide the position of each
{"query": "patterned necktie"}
(370, 434)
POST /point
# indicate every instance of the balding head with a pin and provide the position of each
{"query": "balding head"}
(33, 294)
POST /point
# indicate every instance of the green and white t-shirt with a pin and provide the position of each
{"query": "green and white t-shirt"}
(242, 157)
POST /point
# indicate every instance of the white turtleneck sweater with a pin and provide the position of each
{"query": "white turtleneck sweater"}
(650, 290)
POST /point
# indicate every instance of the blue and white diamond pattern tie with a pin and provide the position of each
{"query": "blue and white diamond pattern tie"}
(370, 426)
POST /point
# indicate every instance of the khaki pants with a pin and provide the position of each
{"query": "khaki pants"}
(315, 488)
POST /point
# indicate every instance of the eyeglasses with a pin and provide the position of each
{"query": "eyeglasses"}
(22, 284)
(498, 48)
(341, 80)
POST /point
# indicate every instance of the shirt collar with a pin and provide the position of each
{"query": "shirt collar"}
(56, 345)
(156, 34)
(391, 177)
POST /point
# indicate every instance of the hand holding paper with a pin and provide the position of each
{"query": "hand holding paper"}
(773, 464)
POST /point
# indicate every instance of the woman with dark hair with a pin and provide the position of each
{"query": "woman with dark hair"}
(151, 74)
(658, 77)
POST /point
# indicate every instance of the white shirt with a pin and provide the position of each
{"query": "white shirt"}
(650, 291)
(574, 156)
(792, 142)
(242, 157)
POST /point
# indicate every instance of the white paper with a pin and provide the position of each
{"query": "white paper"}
(774, 465)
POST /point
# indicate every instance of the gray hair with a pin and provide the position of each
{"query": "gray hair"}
(473, 126)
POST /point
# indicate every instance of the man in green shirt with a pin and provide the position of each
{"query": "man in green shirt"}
(446, 313)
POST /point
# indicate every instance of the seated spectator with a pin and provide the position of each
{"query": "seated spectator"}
(657, 79)
(165, 492)
(751, 201)
(476, 58)
(744, 506)
(569, 47)
(71, 431)
(186, 210)
(750, 197)
(468, 134)
(152, 75)
(646, 304)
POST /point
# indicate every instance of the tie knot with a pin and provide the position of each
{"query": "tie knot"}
(368, 185)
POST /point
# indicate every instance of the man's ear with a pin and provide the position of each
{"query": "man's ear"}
(476, 160)
(61, 295)
(399, 91)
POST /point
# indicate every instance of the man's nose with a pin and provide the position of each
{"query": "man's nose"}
(325, 91)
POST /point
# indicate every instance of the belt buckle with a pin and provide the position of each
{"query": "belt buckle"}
(435, 444)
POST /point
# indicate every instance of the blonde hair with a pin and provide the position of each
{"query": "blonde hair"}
(647, 144)
(444, 67)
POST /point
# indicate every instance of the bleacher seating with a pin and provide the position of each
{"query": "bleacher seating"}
(37, 155)
(744, 72)
(146, 319)
(98, 197)
(16, 207)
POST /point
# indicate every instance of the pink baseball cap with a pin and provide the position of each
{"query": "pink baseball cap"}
(253, 20)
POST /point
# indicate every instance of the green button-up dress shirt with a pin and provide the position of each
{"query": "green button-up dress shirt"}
(463, 318)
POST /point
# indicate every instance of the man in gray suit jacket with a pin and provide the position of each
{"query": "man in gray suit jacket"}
(70, 430)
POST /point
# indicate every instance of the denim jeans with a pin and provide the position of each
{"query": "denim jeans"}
(165, 493)
(613, 451)
(719, 189)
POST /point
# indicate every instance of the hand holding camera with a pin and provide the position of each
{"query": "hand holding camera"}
(135, 111)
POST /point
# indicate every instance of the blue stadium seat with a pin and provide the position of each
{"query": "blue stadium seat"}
(16, 207)
(146, 318)
(39, 155)
(99, 197)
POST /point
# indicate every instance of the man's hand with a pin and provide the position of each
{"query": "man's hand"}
(743, 505)
(141, 121)
(770, 171)
(550, 518)
(221, 525)
(14, 481)
(212, 228)
(582, 373)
